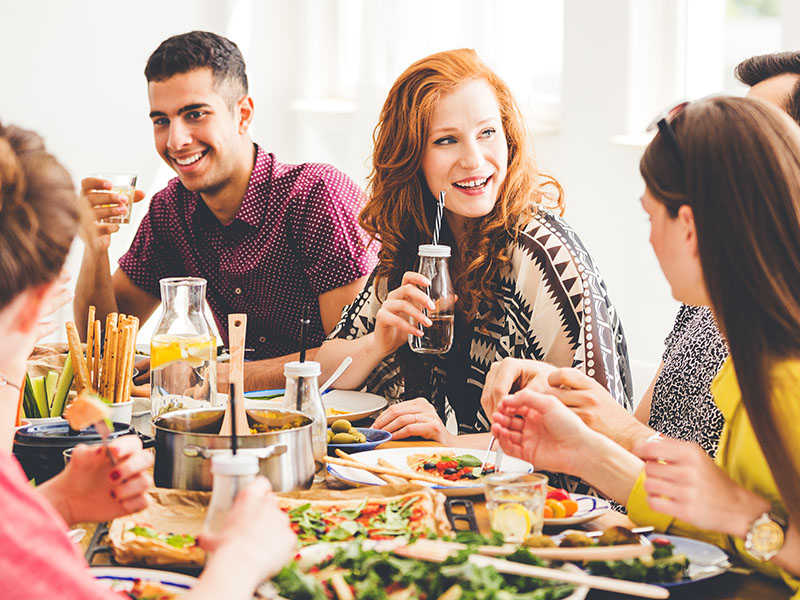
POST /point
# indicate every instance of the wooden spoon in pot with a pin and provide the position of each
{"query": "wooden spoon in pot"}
(237, 328)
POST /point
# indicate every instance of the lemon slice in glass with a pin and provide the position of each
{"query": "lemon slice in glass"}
(512, 520)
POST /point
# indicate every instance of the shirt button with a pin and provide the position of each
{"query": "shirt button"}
(262, 339)
(237, 291)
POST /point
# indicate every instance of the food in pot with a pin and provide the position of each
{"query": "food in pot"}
(281, 423)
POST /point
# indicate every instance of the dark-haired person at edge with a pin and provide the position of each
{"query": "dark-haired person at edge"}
(722, 194)
(270, 238)
(678, 402)
(39, 217)
(526, 286)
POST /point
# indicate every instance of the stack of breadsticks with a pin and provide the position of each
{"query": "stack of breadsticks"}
(107, 368)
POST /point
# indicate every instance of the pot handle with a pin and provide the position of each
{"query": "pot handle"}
(193, 451)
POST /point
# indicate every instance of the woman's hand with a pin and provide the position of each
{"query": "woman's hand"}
(511, 375)
(240, 548)
(415, 417)
(392, 324)
(596, 407)
(683, 481)
(92, 489)
(538, 428)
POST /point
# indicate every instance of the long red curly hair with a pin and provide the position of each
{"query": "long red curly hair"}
(400, 210)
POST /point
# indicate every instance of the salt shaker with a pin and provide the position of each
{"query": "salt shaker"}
(438, 338)
(302, 384)
(231, 474)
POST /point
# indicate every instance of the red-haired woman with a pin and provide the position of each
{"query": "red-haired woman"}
(526, 286)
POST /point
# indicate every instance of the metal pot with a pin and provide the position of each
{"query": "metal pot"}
(187, 439)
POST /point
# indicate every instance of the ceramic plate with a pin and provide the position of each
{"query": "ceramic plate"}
(589, 507)
(375, 437)
(341, 404)
(705, 560)
(397, 458)
(122, 578)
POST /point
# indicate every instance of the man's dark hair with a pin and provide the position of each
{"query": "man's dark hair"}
(760, 68)
(198, 50)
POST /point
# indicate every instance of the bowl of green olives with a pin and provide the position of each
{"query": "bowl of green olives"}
(342, 435)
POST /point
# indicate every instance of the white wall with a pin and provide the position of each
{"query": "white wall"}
(74, 72)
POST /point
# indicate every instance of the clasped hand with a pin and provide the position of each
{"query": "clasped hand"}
(415, 417)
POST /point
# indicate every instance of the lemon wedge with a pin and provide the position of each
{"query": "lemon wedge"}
(194, 350)
(512, 520)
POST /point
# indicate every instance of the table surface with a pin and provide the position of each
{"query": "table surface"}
(728, 586)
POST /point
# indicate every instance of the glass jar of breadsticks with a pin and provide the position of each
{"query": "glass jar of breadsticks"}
(183, 351)
(106, 365)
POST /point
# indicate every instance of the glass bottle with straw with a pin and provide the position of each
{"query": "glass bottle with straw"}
(302, 394)
(433, 264)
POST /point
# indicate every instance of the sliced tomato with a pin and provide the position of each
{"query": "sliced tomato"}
(446, 464)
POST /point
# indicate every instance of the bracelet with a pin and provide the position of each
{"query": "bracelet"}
(5, 381)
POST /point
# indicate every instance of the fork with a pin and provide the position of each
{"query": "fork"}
(498, 458)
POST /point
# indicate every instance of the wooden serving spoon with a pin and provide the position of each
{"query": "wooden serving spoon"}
(237, 328)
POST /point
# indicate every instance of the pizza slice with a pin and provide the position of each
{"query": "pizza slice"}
(139, 542)
(410, 514)
(449, 466)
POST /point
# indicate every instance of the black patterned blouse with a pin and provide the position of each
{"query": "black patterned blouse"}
(555, 308)
(682, 406)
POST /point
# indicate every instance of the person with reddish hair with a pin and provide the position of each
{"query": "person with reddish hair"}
(526, 285)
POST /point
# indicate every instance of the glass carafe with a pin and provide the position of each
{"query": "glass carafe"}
(183, 352)
(301, 381)
(438, 338)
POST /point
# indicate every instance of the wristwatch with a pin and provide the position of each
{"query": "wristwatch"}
(766, 536)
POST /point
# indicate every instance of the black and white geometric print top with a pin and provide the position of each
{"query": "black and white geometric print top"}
(682, 406)
(555, 308)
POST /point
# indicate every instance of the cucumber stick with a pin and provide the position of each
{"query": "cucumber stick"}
(62, 388)
(29, 401)
(50, 383)
(40, 396)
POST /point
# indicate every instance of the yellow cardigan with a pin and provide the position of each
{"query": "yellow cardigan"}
(740, 456)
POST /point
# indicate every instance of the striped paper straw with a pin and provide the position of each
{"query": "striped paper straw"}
(438, 225)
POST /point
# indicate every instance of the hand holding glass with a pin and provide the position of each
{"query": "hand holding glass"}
(121, 183)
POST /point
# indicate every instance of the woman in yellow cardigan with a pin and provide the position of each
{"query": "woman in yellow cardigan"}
(723, 197)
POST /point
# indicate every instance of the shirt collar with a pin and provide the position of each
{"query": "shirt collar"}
(254, 205)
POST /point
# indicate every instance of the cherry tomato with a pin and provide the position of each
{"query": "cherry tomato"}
(446, 464)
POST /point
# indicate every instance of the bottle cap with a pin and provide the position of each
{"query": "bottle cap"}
(228, 463)
(436, 251)
(307, 368)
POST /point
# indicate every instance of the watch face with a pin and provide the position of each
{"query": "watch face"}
(767, 537)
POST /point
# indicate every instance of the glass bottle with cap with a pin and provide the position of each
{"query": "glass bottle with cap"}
(302, 393)
(231, 473)
(438, 338)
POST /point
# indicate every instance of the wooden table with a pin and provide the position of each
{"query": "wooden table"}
(728, 586)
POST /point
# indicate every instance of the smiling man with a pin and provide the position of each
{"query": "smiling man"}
(270, 238)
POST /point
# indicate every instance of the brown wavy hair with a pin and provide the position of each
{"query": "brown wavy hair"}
(741, 178)
(400, 210)
(39, 214)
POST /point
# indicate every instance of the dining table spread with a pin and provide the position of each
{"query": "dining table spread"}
(726, 586)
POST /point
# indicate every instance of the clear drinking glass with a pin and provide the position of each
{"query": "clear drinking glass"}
(183, 357)
(515, 502)
(301, 380)
(438, 338)
(121, 183)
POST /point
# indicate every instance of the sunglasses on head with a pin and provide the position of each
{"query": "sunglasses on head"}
(662, 122)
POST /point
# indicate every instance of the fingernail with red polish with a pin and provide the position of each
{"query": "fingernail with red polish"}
(115, 474)
(113, 494)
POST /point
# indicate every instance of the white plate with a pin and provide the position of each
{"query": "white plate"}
(589, 507)
(122, 578)
(397, 457)
(353, 405)
(705, 560)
